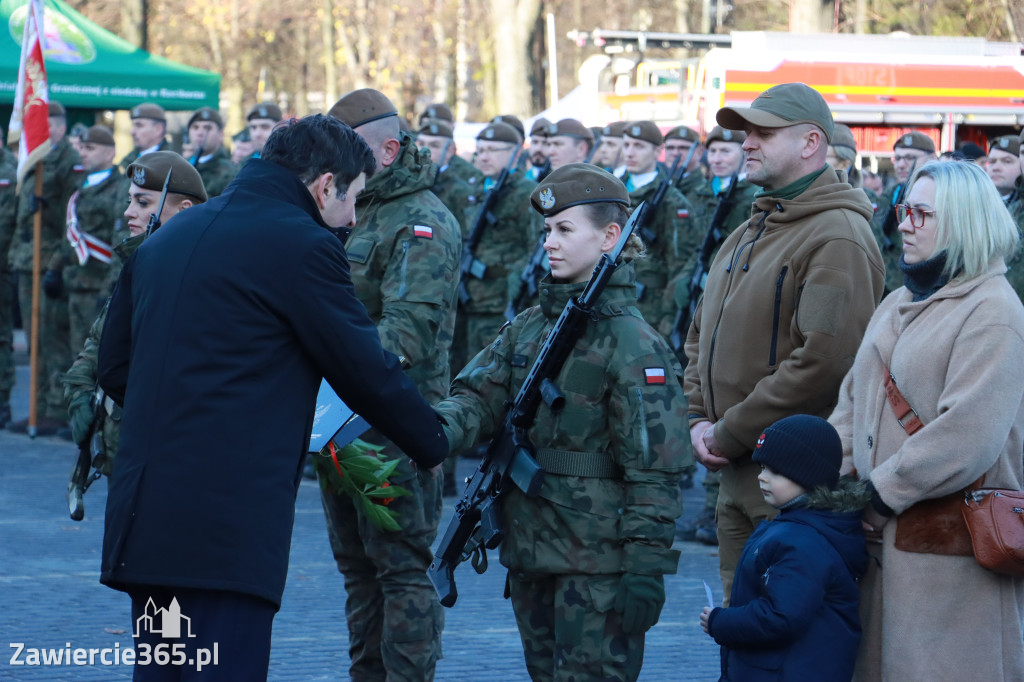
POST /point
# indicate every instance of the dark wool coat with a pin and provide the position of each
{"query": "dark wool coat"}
(227, 318)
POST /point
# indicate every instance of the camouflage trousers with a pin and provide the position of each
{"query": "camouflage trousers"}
(6, 336)
(394, 618)
(741, 507)
(570, 631)
(83, 309)
(54, 348)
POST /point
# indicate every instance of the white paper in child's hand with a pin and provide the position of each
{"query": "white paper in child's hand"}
(707, 590)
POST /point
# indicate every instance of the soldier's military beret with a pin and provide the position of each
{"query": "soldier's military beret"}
(56, 109)
(509, 119)
(1007, 143)
(540, 127)
(570, 127)
(500, 132)
(150, 171)
(440, 111)
(644, 130)
(436, 127)
(206, 114)
(100, 135)
(360, 107)
(915, 140)
(149, 110)
(720, 134)
(781, 106)
(843, 137)
(683, 133)
(575, 184)
(267, 110)
(614, 129)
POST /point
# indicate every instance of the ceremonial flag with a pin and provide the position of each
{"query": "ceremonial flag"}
(30, 119)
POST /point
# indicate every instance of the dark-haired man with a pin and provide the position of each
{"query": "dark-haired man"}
(223, 370)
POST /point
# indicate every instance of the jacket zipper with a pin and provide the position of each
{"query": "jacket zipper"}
(775, 315)
(405, 268)
(736, 250)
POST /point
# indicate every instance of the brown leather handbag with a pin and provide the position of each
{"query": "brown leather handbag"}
(995, 520)
(988, 523)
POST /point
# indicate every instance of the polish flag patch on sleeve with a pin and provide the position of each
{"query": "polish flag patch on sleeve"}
(423, 231)
(655, 375)
(683, 213)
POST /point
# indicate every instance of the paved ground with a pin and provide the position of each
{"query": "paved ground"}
(50, 596)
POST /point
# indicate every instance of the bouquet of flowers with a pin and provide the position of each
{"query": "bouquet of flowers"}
(361, 471)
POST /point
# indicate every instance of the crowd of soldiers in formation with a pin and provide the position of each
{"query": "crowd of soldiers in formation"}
(694, 186)
(688, 175)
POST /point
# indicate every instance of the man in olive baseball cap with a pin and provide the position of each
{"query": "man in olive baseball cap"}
(781, 106)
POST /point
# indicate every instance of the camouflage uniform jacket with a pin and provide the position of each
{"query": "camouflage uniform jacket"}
(130, 157)
(81, 378)
(624, 400)
(8, 203)
(1015, 264)
(890, 245)
(100, 210)
(688, 185)
(465, 171)
(62, 175)
(454, 193)
(404, 257)
(505, 245)
(677, 237)
(217, 172)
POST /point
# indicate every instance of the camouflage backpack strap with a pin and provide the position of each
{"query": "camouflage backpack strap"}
(574, 463)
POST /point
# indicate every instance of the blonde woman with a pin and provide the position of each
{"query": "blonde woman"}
(952, 342)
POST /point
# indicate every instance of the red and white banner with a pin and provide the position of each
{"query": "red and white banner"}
(29, 121)
(84, 244)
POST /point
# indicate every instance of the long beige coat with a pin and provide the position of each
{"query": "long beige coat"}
(958, 358)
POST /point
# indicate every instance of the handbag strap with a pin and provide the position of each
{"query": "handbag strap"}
(905, 414)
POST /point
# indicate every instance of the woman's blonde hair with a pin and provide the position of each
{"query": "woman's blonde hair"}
(605, 213)
(973, 225)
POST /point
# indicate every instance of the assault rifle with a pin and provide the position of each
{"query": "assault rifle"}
(645, 231)
(712, 239)
(532, 273)
(92, 454)
(477, 523)
(470, 265)
(154, 218)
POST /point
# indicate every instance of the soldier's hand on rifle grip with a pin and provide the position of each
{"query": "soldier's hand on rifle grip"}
(80, 414)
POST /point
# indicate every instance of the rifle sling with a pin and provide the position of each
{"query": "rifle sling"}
(573, 463)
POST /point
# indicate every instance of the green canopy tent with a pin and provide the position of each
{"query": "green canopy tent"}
(88, 67)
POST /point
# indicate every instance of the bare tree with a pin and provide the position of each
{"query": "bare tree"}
(512, 26)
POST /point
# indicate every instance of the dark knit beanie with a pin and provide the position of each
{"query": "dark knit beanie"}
(804, 449)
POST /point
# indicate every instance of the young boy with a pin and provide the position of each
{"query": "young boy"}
(793, 614)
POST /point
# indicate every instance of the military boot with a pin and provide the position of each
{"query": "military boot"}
(707, 528)
(5, 414)
(688, 532)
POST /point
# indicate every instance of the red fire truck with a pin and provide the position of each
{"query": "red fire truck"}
(953, 89)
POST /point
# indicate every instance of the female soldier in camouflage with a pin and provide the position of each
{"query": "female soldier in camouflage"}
(586, 557)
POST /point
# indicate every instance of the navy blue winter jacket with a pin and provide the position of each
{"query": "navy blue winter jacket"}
(793, 613)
